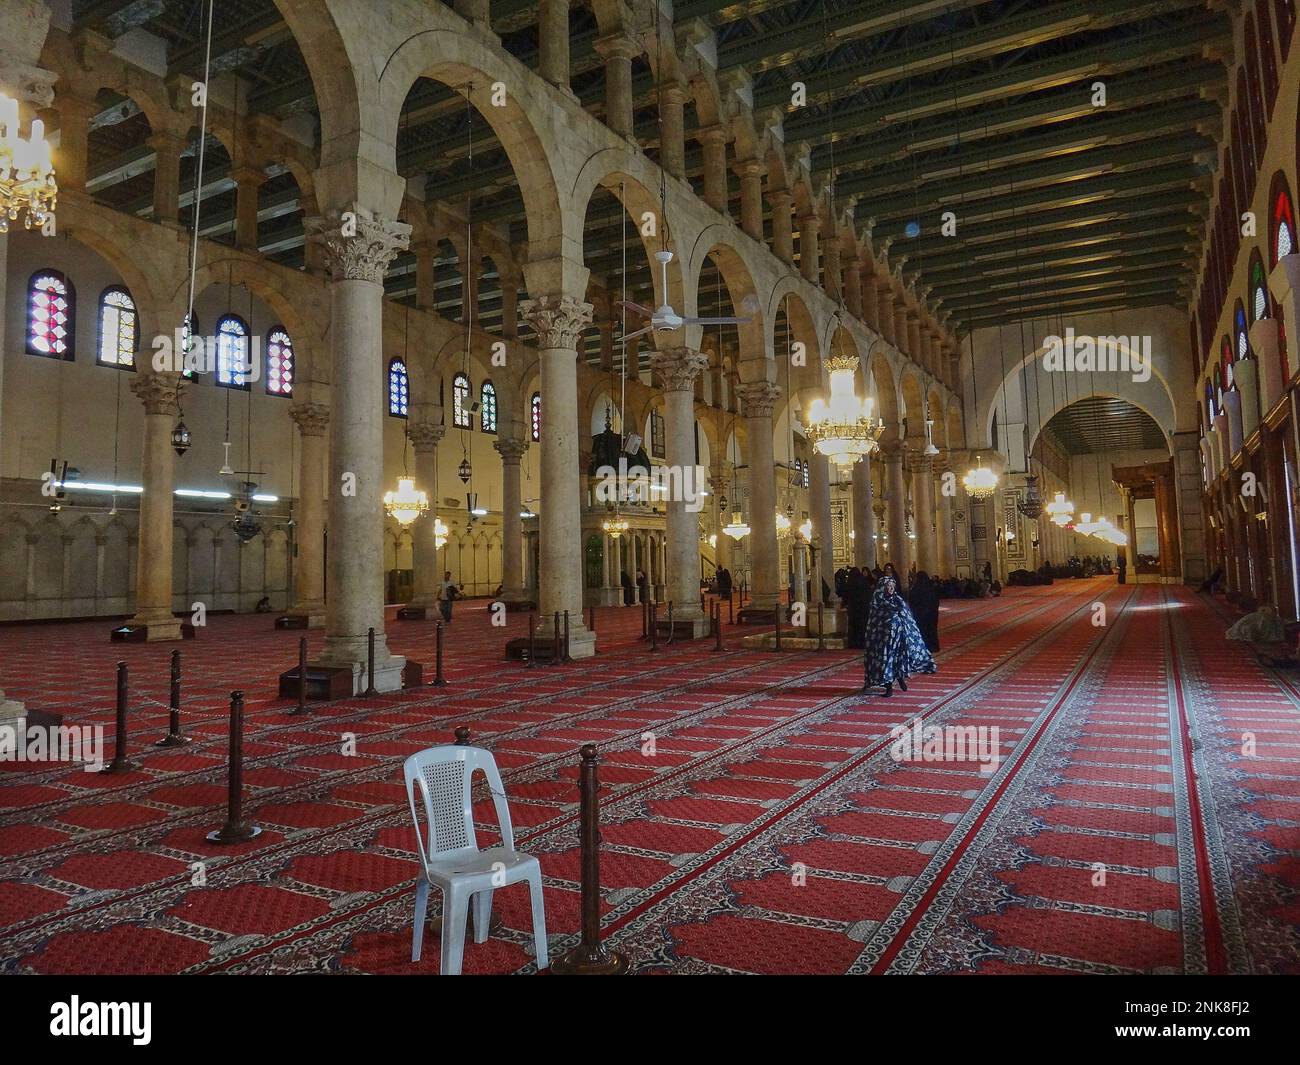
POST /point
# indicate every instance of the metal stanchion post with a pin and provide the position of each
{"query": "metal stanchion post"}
(236, 829)
(121, 739)
(174, 738)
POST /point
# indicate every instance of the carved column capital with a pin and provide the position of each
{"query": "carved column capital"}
(677, 368)
(357, 245)
(312, 419)
(511, 451)
(759, 398)
(157, 391)
(424, 436)
(558, 321)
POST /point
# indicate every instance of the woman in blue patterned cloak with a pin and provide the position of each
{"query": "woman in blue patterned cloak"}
(895, 649)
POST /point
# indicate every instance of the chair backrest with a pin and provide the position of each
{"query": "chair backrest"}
(442, 775)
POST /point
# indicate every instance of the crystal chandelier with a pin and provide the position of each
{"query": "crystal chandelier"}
(980, 482)
(407, 503)
(615, 526)
(783, 524)
(1032, 505)
(1060, 510)
(842, 429)
(736, 528)
(1086, 525)
(440, 531)
(806, 530)
(1111, 535)
(27, 181)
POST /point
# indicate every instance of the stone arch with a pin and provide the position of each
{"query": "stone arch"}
(885, 389)
(1148, 403)
(738, 279)
(111, 238)
(911, 389)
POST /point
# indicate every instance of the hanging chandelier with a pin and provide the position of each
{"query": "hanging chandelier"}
(1086, 525)
(407, 503)
(806, 530)
(27, 181)
(1060, 510)
(736, 528)
(1032, 505)
(842, 429)
(615, 526)
(1111, 535)
(783, 524)
(980, 482)
(440, 531)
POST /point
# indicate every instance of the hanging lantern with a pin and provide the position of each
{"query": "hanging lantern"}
(464, 471)
(736, 528)
(181, 438)
(407, 503)
(722, 503)
(980, 482)
(1032, 505)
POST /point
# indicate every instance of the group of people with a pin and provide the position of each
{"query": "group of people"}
(898, 634)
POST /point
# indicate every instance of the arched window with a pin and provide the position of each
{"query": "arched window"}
(189, 330)
(535, 414)
(1211, 407)
(1285, 23)
(460, 415)
(398, 390)
(1226, 383)
(657, 449)
(279, 363)
(1281, 220)
(51, 304)
(119, 335)
(1259, 302)
(1239, 328)
(803, 474)
(233, 363)
(1266, 54)
(487, 398)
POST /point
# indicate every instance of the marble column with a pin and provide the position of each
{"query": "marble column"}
(70, 161)
(618, 50)
(677, 370)
(356, 264)
(312, 420)
(426, 576)
(713, 141)
(512, 525)
(248, 181)
(782, 225)
(864, 517)
(558, 322)
(927, 544)
(553, 41)
(153, 592)
(672, 120)
(167, 149)
(759, 400)
(947, 534)
(896, 508)
(823, 541)
(809, 253)
(750, 172)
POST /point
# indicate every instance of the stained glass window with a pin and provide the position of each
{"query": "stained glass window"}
(1282, 221)
(232, 352)
(118, 328)
(460, 416)
(536, 415)
(279, 363)
(50, 315)
(1258, 288)
(488, 407)
(398, 389)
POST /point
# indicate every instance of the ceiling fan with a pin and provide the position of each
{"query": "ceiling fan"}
(667, 318)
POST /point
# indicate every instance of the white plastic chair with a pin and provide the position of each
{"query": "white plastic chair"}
(449, 855)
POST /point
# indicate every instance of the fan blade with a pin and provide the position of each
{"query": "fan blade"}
(636, 308)
(639, 332)
(717, 321)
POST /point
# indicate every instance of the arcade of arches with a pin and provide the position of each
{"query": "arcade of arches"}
(423, 247)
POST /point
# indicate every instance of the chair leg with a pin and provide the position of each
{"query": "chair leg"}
(539, 921)
(482, 915)
(421, 904)
(455, 908)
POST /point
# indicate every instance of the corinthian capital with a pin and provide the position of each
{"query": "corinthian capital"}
(677, 368)
(312, 418)
(759, 398)
(511, 451)
(157, 391)
(357, 245)
(424, 436)
(558, 321)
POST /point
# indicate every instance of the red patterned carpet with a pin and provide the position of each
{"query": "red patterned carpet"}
(1144, 815)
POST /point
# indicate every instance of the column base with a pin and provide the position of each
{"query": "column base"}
(834, 620)
(692, 627)
(301, 619)
(140, 629)
(12, 714)
(582, 641)
(388, 672)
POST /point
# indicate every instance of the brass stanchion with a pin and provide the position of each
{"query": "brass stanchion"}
(645, 619)
(301, 708)
(566, 637)
(556, 653)
(370, 691)
(532, 641)
(121, 739)
(439, 681)
(821, 627)
(462, 736)
(174, 738)
(654, 627)
(717, 627)
(777, 615)
(731, 609)
(589, 958)
(236, 829)
(672, 631)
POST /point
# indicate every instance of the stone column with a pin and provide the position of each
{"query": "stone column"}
(751, 172)
(809, 253)
(512, 525)
(677, 370)
(70, 162)
(947, 532)
(853, 288)
(864, 517)
(153, 592)
(914, 338)
(553, 41)
(558, 322)
(356, 265)
(834, 277)
(510, 307)
(927, 546)
(901, 339)
(759, 400)
(885, 311)
(167, 149)
(476, 12)
(1191, 509)
(713, 140)
(672, 121)
(896, 508)
(426, 576)
(618, 50)
(312, 420)
(819, 504)
(782, 225)
(248, 181)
